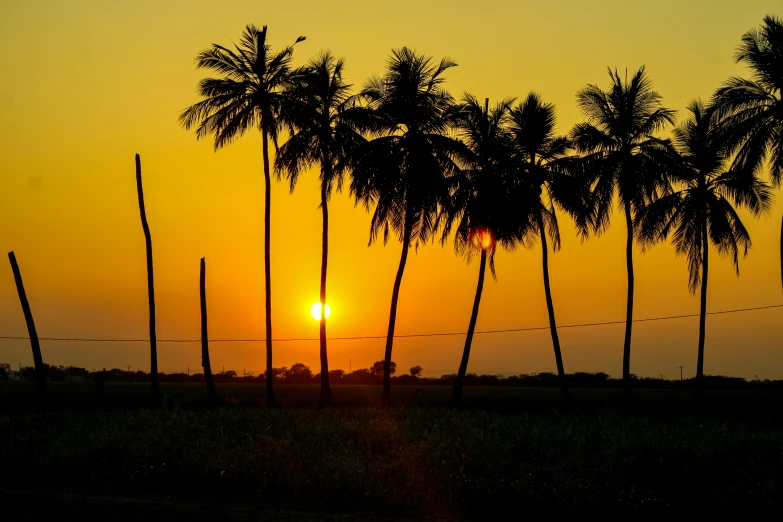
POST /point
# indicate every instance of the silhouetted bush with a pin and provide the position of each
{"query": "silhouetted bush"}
(377, 368)
(299, 373)
(361, 376)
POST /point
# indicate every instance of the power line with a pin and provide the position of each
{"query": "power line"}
(359, 337)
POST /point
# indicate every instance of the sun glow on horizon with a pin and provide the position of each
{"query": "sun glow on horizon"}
(315, 311)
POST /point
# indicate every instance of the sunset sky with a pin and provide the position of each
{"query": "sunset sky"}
(87, 84)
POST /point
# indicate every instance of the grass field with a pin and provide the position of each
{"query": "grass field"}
(418, 459)
(407, 460)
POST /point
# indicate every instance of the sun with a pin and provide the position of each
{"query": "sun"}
(315, 311)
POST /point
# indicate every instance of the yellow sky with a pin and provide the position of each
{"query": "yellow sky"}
(86, 84)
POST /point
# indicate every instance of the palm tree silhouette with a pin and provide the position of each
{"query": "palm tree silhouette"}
(622, 153)
(486, 203)
(248, 93)
(703, 210)
(319, 111)
(403, 171)
(552, 173)
(752, 110)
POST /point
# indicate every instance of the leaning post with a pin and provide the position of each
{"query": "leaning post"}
(40, 378)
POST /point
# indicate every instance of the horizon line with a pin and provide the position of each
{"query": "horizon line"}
(433, 334)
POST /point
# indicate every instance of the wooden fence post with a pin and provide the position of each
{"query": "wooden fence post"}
(40, 378)
(150, 289)
(204, 334)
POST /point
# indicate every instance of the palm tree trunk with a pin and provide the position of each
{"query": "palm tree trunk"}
(205, 335)
(326, 390)
(781, 251)
(629, 307)
(459, 383)
(270, 392)
(406, 239)
(156, 398)
(703, 312)
(40, 378)
(551, 310)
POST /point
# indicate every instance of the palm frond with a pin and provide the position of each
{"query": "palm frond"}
(751, 110)
(745, 190)
(405, 167)
(248, 92)
(708, 195)
(588, 138)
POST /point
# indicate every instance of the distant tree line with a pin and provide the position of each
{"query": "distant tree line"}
(300, 373)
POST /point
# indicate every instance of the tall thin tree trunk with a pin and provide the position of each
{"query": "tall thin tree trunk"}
(551, 311)
(40, 378)
(326, 390)
(205, 334)
(629, 307)
(705, 246)
(156, 398)
(781, 251)
(270, 392)
(459, 383)
(406, 239)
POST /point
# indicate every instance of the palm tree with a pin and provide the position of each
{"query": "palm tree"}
(248, 93)
(703, 211)
(752, 110)
(319, 111)
(486, 203)
(403, 171)
(623, 154)
(551, 173)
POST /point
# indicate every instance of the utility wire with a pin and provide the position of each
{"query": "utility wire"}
(358, 337)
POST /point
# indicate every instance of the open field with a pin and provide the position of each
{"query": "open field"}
(412, 461)
(511, 450)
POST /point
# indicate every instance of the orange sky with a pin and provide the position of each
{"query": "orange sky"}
(87, 84)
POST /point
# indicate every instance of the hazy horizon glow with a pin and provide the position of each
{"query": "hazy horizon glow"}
(88, 84)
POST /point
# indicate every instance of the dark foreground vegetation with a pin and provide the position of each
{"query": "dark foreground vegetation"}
(509, 451)
(753, 401)
(409, 461)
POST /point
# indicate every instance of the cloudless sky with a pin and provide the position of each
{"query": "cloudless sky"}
(86, 84)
